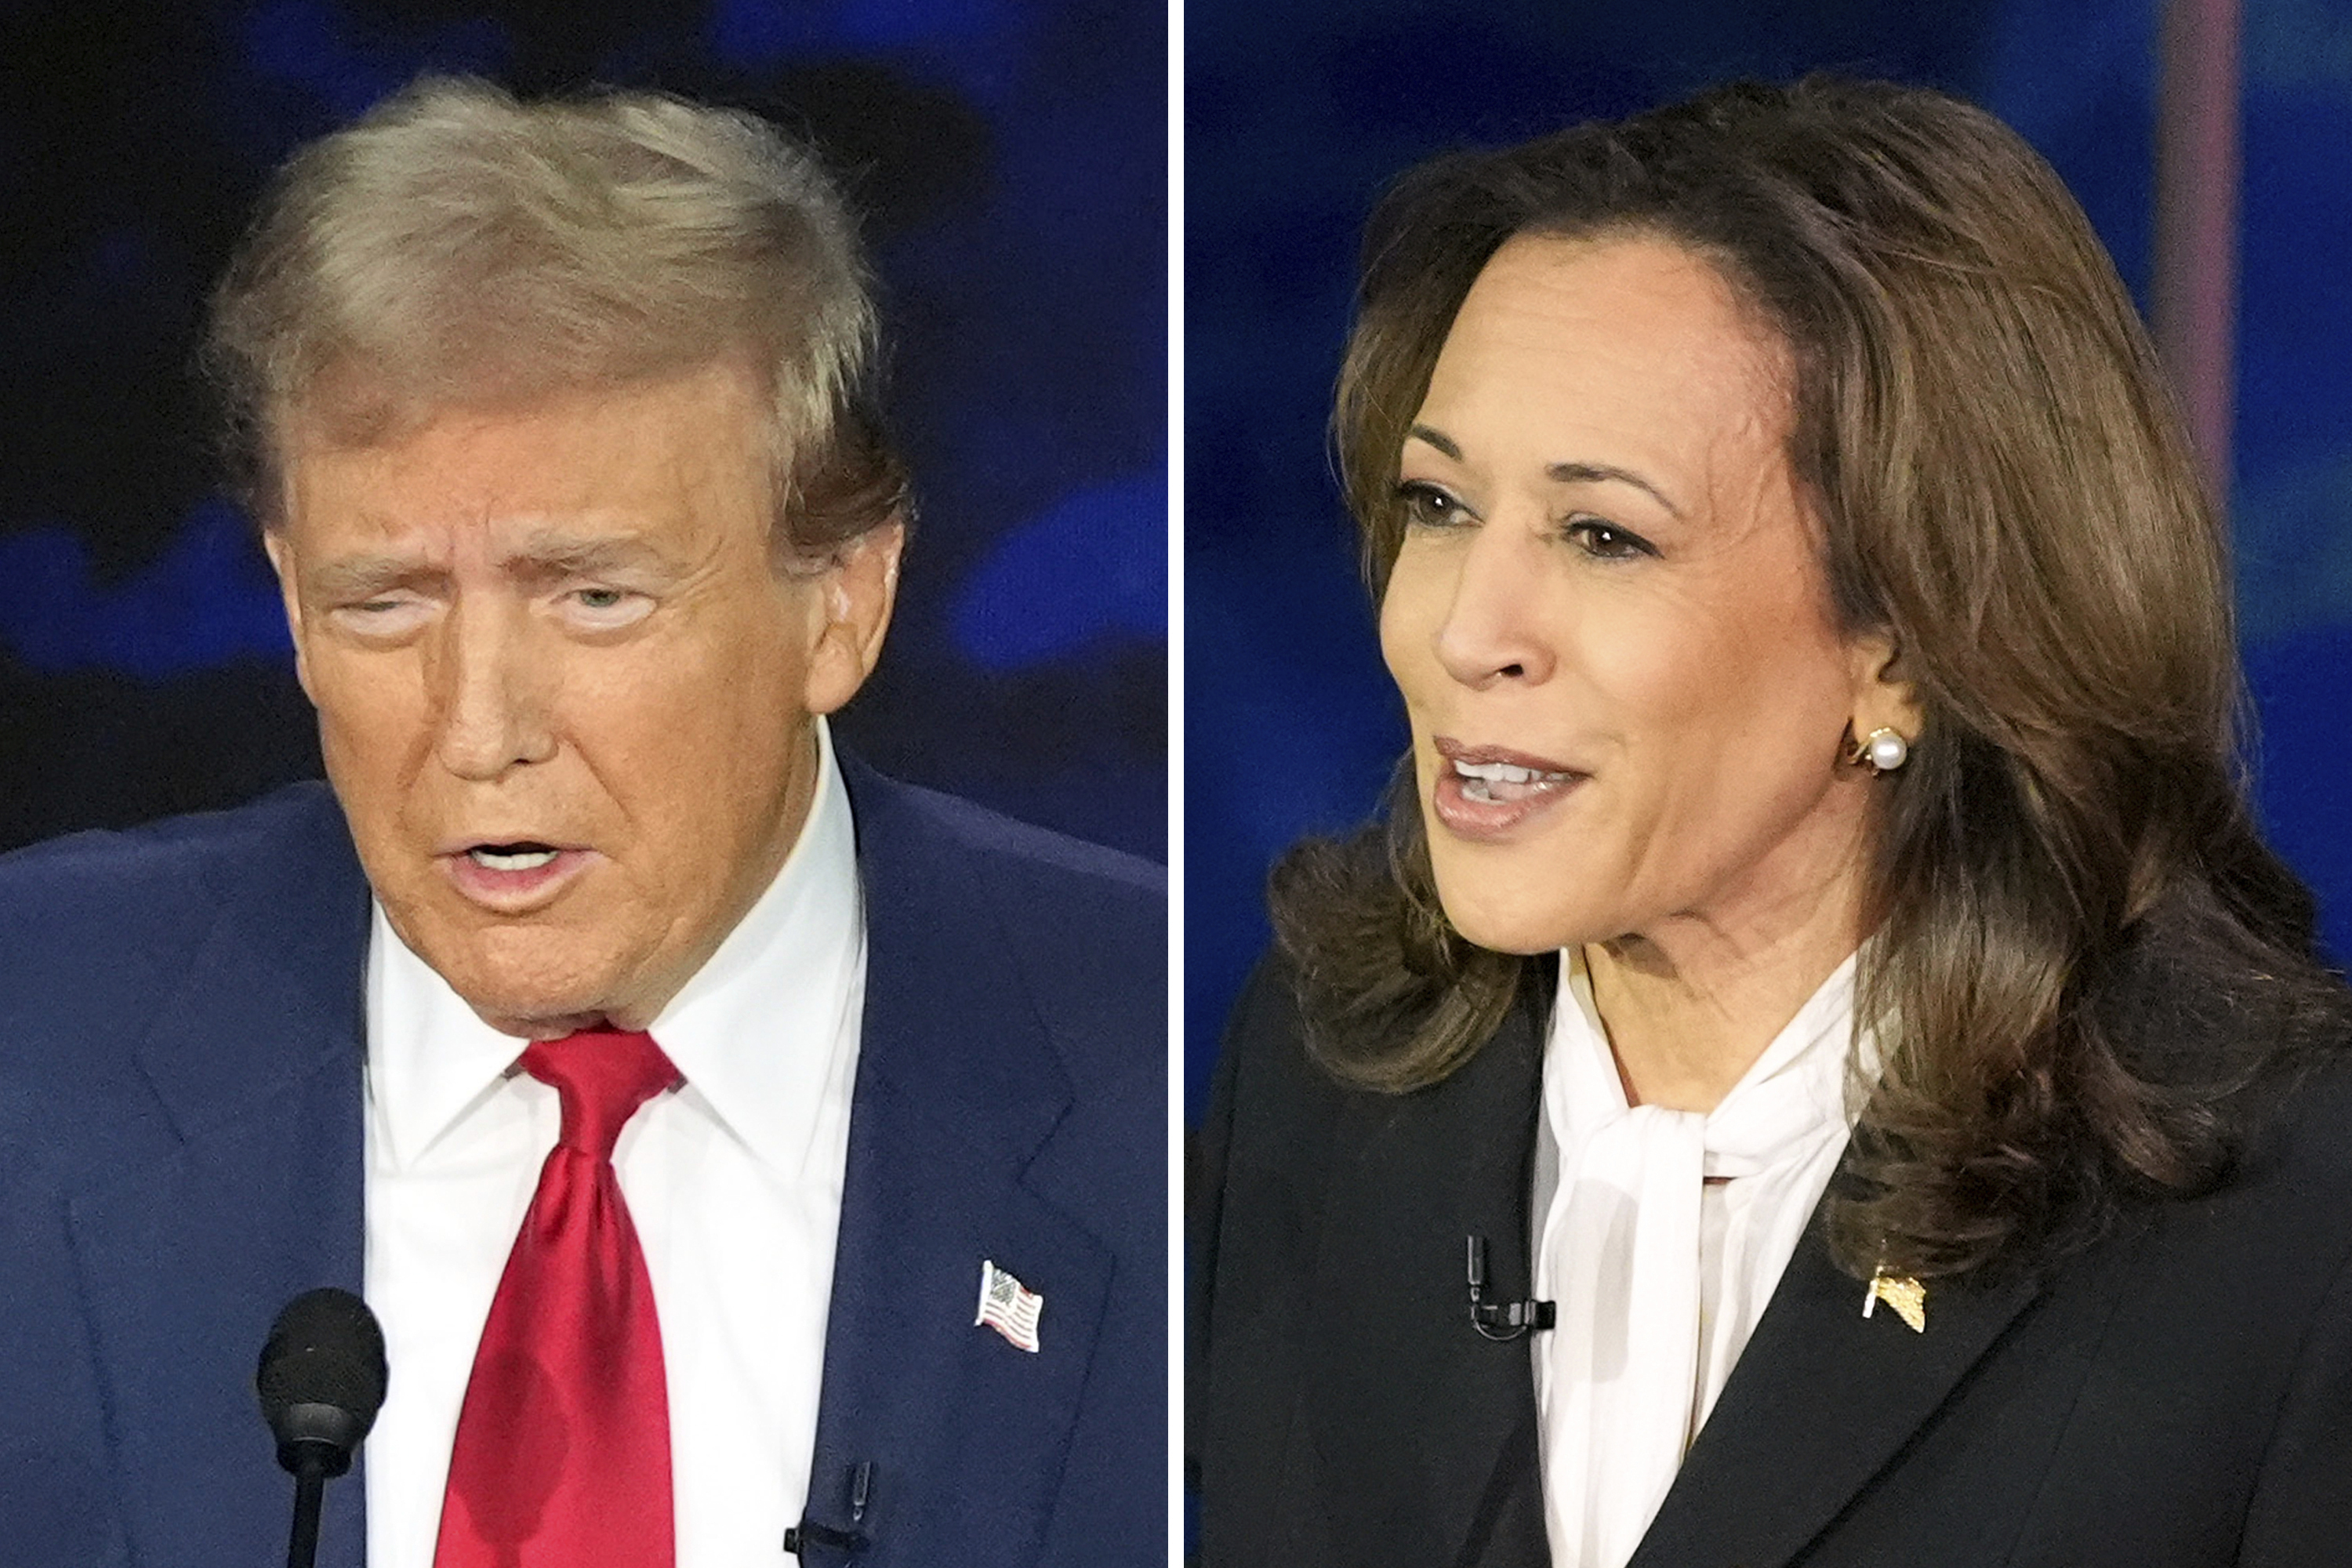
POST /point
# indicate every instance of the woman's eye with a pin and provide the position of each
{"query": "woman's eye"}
(1426, 506)
(1607, 542)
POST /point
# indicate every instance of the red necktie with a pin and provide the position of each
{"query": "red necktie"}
(562, 1452)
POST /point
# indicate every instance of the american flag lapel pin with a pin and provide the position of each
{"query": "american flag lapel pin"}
(1009, 1307)
(1900, 1291)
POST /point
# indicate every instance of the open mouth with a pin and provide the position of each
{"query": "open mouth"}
(514, 876)
(524, 857)
(1501, 783)
(1487, 793)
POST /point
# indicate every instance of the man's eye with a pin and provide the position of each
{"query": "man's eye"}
(604, 608)
(1427, 506)
(393, 617)
(1606, 541)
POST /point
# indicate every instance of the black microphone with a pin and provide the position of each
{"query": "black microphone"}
(807, 1535)
(1502, 1322)
(320, 1381)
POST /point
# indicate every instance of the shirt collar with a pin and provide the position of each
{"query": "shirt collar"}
(758, 1032)
(1813, 1044)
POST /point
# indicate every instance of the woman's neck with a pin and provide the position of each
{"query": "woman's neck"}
(1690, 1006)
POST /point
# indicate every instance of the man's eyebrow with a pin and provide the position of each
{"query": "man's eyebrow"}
(365, 576)
(571, 555)
(537, 559)
(1564, 473)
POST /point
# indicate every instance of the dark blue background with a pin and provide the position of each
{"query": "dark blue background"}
(1011, 156)
(1295, 118)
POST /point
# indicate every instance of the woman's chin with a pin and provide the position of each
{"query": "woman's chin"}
(1502, 927)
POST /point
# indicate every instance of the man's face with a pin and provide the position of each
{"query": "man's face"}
(564, 695)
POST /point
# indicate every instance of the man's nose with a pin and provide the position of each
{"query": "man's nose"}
(493, 693)
(1494, 627)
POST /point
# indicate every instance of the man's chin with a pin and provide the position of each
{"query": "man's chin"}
(539, 996)
(546, 1027)
(536, 1016)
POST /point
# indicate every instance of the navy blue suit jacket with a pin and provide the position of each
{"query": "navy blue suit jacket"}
(180, 1153)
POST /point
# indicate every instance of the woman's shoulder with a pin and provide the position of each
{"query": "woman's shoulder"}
(1266, 1076)
(2272, 1065)
(2295, 1129)
(1277, 1061)
(2253, 1031)
(2264, 1035)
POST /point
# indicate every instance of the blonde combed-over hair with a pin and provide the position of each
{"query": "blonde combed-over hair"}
(458, 248)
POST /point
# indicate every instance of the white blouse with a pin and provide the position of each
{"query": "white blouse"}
(1662, 1235)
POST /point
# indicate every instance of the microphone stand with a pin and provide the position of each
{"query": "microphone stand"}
(309, 1491)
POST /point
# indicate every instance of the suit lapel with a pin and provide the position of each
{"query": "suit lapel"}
(958, 1091)
(253, 1195)
(1820, 1401)
(1424, 1429)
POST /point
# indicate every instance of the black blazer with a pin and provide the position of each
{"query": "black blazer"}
(2177, 1395)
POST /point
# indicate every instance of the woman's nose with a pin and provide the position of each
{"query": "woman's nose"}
(1493, 629)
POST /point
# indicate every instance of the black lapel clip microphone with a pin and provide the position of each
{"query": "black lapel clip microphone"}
(808, 1535)
(1502, 1322)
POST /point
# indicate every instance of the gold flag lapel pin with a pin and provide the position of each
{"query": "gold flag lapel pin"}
(1900, 1291)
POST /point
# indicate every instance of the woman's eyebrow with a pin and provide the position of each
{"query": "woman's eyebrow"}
(1565, 473)
(1438, 439)
(1589, 473)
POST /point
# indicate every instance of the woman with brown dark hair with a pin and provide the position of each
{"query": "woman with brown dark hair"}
(1817, 969)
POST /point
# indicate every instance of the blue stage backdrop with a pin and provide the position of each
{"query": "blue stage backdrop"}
(1010, 158)
(1295, 118)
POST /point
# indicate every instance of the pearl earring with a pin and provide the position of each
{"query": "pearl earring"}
(1882, 751)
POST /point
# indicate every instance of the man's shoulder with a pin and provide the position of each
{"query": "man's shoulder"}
(95, 870)
(1077, 934)
(998, 842)
(97, 923)
(1038, 883)
(106, 936)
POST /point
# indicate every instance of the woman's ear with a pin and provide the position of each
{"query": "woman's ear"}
(1885, 697)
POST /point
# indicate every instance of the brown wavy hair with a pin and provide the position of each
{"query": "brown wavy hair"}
(2002, 482)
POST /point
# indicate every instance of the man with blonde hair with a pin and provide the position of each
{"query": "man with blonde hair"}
(672, 1087)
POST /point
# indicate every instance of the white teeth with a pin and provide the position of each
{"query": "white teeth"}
(527, 860)
(1504, 772)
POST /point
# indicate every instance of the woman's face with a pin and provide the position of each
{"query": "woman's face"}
(1609, 618)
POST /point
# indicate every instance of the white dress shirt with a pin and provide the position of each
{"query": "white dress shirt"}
(1662, 1235)
(733, 1181)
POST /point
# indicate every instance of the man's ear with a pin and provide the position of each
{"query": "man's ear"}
(858, 590)
(281, 562)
